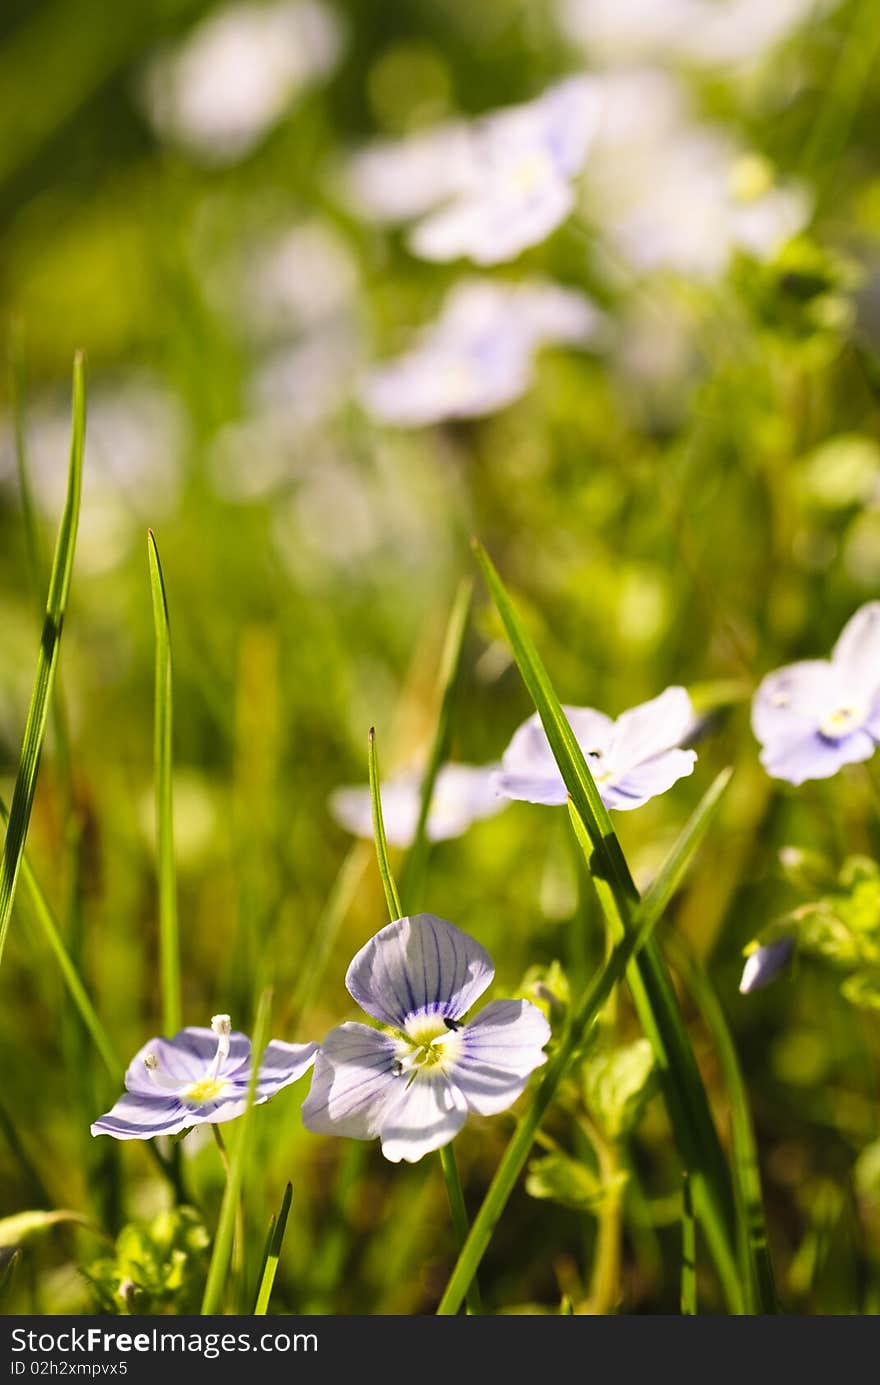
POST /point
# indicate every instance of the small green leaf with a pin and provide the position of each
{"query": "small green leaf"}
(559, 1178)
(9, 1258)
(862, 989)
(16, 1230)
(618, 1086)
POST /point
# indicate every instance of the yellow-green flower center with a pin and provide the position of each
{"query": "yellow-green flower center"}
(428, 1044)
(206, 1089)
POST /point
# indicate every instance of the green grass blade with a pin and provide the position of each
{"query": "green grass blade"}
(513, 1161)
(222, 1251)
(688, 1252)
(649, 981)
(38, 715)
(450, 667)
(392, 898)
(458, 1214)
(757, 1270)
(46, 918)
(273, 1254)
(169, 942)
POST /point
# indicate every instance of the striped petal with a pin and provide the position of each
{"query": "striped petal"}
(500, 1048)
(352, 1082)
(418, 965)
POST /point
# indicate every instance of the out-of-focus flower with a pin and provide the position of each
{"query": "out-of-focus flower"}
(199, 1077)
(710, 33)
(478, 356)
(631, 759)
(668, 192)
(392, 181)
(499, 185)
(813, 717)
(463, 794)
(412, 1083)
(134, 440)
(296, 280)
(763, 964)
(524, 161)
(238, 72)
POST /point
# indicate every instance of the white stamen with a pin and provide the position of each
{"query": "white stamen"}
(222, 1027)
(151, 1062)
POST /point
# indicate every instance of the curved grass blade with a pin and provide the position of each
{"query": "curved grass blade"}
(222, 1251)
(653, 994)
(9, 1259)
(756, 1267)
(46, 918)
(38, 715)
(169, 941)
(269, 1268)
(650, 912)
(688, 1252)
(392, 898)
(450, 667)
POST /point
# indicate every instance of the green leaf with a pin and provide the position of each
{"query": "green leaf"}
(618, 1086)
(169, 942)
(597, 993)
(48, 922)
(155, 1267)
(9, 1258)
(561, 1179)
(25, 1226)
(47, 662)
(757, 1270)
(862, 989)
(273, 1254)
(653, 993)
(688, 1252)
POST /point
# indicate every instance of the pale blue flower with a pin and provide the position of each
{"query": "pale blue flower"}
(463, 794)
(525, 159)
(238, 71)
(412, 1083)
(489, 189)
(201, 1076)
(632, 759)
(815, 716)
(478, 356)
(764, 963)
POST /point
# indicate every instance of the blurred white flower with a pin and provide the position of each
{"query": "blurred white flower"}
(397, 180)
(667, 192)
(236, 74)
(478, 356)
(135, 434)
(296, 280)
(497, 186)
(711, 33)
(463, 794)
(295, 392)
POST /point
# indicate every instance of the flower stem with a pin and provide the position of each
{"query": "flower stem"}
(392, 898)
(238, 1239)
(458, 1212)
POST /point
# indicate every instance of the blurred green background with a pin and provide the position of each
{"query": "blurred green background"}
(697, 503)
